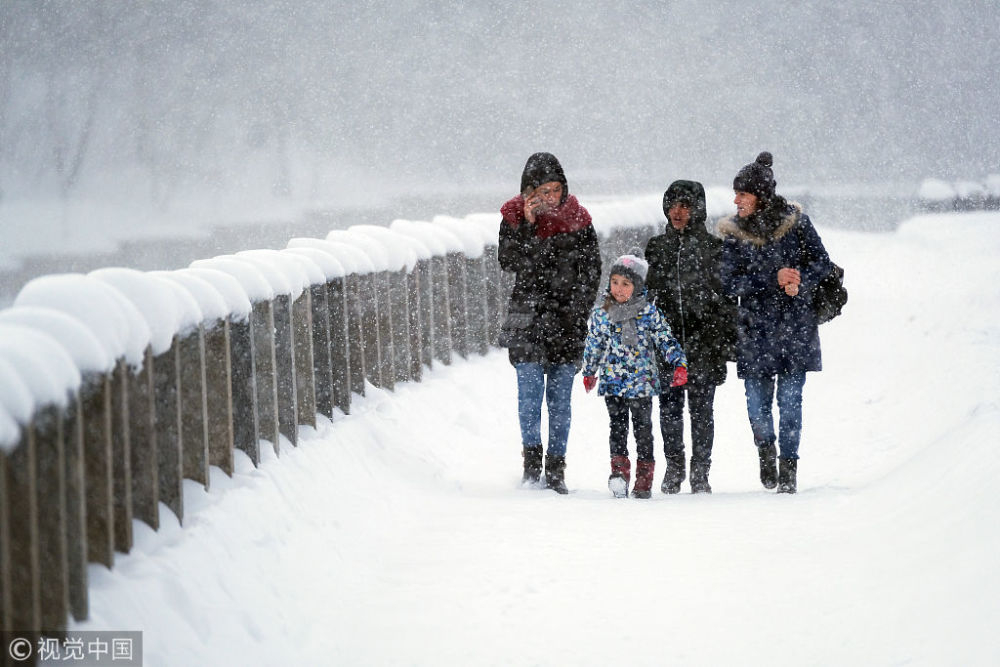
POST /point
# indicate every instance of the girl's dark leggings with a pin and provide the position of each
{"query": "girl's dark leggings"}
(642, 425)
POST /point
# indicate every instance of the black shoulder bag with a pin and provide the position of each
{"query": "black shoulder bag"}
(830, 294)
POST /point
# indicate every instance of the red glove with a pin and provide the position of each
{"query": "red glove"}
(680, 377)
(589, 382)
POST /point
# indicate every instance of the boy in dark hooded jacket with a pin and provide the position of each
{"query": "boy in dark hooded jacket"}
(685, 285)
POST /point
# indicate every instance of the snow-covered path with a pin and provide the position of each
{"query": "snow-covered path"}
(400, 535)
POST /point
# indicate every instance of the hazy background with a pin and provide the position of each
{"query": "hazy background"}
(312, 98)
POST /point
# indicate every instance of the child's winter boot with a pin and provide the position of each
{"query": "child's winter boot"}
(643, 479)
(621, 474)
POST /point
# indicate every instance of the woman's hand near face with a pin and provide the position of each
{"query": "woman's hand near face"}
(531, 204)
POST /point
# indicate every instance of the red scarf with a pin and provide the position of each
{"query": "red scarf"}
(569, 217)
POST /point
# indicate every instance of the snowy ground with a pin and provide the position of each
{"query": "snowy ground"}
(399, 535)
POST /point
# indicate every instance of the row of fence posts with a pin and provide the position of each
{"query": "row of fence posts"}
(70, 489)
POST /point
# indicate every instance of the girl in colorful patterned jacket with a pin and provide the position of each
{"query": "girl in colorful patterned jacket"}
(623, 336)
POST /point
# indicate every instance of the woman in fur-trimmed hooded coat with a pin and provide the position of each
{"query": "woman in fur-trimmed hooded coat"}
(772, 260)
(547, 241)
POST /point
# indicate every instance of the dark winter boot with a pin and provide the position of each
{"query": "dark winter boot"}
(643, 479)
(699, 478)
(555, 473)
(621, 474)
(675, 474)
(787, 469)
(768, 464)
(532, 464)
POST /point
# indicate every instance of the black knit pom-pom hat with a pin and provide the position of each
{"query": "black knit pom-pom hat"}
(757, 177)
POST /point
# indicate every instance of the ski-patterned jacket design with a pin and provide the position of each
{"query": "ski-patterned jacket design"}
(629, 371)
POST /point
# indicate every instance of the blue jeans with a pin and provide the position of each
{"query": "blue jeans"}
(760, 399)
(554, 382)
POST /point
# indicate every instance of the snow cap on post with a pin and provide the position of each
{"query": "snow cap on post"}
(43, 364)
(273, 264)
(311, 269)
(211, 305)
(154, 300)
(375, 251)
(473, 243)
(327, 262)
(253, 282)
(79, 341)
(113, 319)
(421, 234)
(17, 404)
(399, 247)
(236, 302)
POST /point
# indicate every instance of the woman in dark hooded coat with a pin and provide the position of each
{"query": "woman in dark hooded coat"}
(684, 283)
(772, 260)
(548, 242)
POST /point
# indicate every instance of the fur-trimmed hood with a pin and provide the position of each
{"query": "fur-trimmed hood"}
(736, 226)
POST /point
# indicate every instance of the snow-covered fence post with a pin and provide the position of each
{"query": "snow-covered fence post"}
(239, 284)
(260, 347)
(471, 280)
(401, 259)
(265, 367)
(378, 310)
(287, 286)
(312, 302)
(38, 376)
(346, 361)
(6, 609)
(156, 300)
(373, 299)
(246, 411)
(194, 296)
(121, 456)
(492, 293)
(220, 424)
(430, 278)
(219, 298)
(48, 433)
(107, 338)
(142, 443)
(22, 503)
(167, 422)
(281, 375)
(325, 300)
(459, 312)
